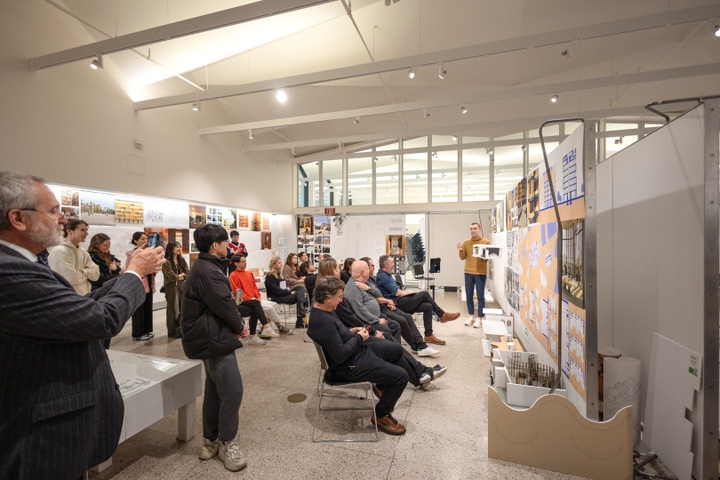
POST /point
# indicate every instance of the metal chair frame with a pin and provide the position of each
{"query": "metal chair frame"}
(323, 382)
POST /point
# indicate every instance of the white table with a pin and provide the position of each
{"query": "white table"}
(154, 387)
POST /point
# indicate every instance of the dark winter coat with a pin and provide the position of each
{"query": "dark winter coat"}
(210, 320)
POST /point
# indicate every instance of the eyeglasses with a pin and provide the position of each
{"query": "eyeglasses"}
(52, 213)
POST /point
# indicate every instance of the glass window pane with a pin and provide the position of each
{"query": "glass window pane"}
(508, 166)
(444, 177)
(612, 127)
(570, 127)
(390, 146)
(359, 181)
(308, 184)
(615, 144)
(513, 136)
(332, 183)
(419, 142)
(415, 177)
(387, 180)
(475, 175)
(474, 139)
(536, 157)
(443, 140)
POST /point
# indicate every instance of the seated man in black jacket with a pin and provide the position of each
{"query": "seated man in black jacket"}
(350, 358)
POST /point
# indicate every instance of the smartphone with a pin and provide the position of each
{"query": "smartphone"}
(153, 240)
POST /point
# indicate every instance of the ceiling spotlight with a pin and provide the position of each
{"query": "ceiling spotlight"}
(618, 141)
(97, 63)
(250, 135)
(375, 159)
(441, 72)
(523, 148)
(196, 107)
(394, 158)
(434, 154)
(554, 98)
(454, 138)
(426, 114)
(489, 151)
(411, 73)
(357, 120)
(717, 30)
(463, 109)
(281, 96)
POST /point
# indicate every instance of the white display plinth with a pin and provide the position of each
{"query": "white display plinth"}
(154, 387)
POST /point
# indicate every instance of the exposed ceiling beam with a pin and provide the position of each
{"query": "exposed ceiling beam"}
(489, 125)
(615, 27)
(507, 94)
(183, 28)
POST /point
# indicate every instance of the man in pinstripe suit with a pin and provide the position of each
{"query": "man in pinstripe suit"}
(60, 408)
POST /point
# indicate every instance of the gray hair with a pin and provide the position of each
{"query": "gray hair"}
(16, 191)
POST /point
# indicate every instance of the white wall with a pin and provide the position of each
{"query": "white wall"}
(72, 125)
(444, 232)
(650, 255)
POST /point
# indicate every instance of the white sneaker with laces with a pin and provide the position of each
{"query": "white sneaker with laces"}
(469, 321)
(425, 378)
(232, 457)
(256, 340)
(478, 323)
(427, 352)
(268, 332)
(209, 449)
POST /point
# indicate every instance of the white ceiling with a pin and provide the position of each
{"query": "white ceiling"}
(340, 60)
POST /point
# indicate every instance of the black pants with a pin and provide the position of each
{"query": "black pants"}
(379, 363)
(142, 318)
(420, 302)
(254, 310)
(391, 329)
(298, 299)
(408, 363)
(408, 330)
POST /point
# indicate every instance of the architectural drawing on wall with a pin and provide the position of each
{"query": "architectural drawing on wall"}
(165, 213)
(533, 196)
(127, 211)
(266, 241)
(69, 197)
(573, 261)
(266, 221)
(196, 215)
(243, 221)
(256, 222)
(97, 208)
(304, 224)
(395, 245)
(225, 217)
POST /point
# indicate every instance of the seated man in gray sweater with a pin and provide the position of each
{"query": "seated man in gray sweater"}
(362, 299)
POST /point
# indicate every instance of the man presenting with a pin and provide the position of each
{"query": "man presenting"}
(71, 261)
(411, 302)
(60, 409)
(475, 275)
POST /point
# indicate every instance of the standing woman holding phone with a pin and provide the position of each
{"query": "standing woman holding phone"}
(142, 318)
(175, 270)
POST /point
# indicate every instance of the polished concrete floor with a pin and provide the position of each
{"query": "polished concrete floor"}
(446, 421)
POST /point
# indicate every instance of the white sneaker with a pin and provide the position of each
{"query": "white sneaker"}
(268, 332)
(209, 449)
(469, 321)
(427, 352)
(232, 457)
(256, 340)
(425, 378)
(478, 323)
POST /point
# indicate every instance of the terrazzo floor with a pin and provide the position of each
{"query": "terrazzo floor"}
(446, 420)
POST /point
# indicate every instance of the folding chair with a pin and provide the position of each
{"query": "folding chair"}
(324, 383)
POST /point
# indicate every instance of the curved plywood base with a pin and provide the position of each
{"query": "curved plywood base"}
(553, 435)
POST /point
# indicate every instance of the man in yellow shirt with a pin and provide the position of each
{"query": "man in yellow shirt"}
(475, 275)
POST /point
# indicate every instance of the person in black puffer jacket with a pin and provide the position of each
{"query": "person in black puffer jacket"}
(211, 331)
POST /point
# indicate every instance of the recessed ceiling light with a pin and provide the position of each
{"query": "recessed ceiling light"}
(463, 109)
(411, 73)
(281, 96)
(196, 107)
(554, 98)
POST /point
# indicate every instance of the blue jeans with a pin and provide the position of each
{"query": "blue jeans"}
(475, 284)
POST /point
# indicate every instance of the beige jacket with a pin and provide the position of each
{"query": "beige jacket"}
(75, 265)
